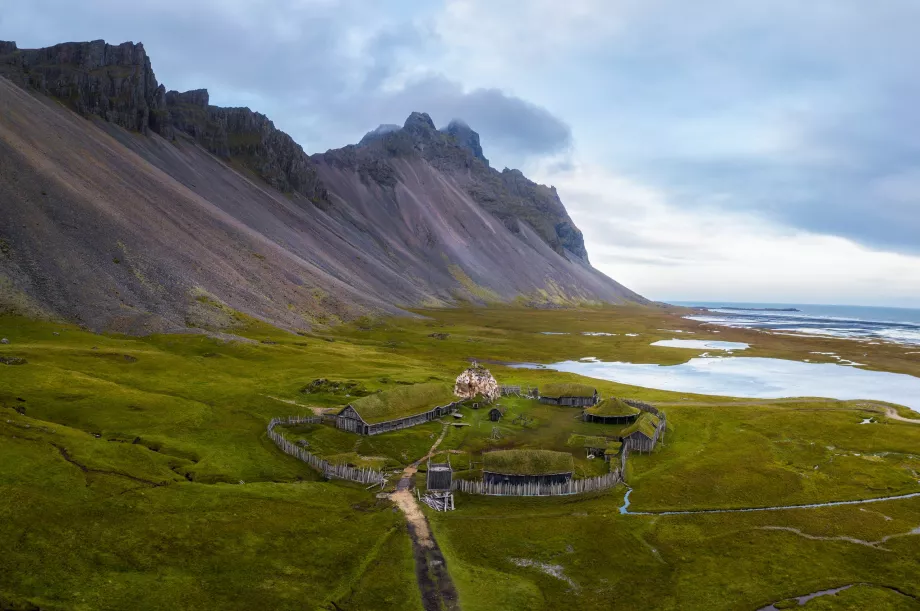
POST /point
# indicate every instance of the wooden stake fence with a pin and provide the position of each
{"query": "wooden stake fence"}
(354, 474)
(573, 486)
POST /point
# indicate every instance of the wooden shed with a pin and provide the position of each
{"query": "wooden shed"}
(595, 446)
(642, 435)
(496, 413)
(440, 476)
(573, 395)
(611, 411)
(397, 409)
(527, 466)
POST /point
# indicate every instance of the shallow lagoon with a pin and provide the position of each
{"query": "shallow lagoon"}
(756, 378)
(702, 344)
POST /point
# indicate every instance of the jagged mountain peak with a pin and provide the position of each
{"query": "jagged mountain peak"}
(213, 207)
(466, 137)
(419, 122)
(380, 131)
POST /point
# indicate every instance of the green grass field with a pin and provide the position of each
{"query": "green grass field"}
(135, 473)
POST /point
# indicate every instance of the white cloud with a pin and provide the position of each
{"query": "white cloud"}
(643, 238)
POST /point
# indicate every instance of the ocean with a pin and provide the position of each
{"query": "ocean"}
(896, 325)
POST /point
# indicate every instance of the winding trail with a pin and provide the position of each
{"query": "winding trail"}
(624, 509)
(875, 544)
(434, 582)
(889, 411)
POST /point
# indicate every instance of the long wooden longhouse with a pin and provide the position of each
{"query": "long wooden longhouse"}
(397, 409)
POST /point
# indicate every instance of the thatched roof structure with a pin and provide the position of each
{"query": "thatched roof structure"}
(612, 407)
(528, 462)
(402, 401)
(567, 390)
(646, 424)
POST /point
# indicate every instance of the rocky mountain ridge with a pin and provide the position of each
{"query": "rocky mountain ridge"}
(217, 211)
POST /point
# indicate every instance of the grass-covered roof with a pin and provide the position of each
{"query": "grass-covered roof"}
(528, 462)
(646, 424)
(594, 442)
(612, 407)
(613, 448)
(567, 390)
(403, 401)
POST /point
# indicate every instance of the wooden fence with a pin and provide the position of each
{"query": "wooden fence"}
(641, 405)
(573, 486)
(354, 474)
(519, 391)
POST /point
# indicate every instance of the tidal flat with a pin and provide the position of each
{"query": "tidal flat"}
(168, 486)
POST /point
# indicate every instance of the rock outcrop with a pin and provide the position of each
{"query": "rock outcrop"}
(113, 82)
(466, 137)
(246, 137)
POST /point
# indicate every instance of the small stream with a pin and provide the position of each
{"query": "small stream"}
(804, 599)
(624, 509)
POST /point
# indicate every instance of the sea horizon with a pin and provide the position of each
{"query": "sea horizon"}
(883, 323)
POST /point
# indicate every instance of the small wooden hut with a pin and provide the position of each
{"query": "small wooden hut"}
(595, 446)
(496, 413)
(613, 450)
(440, 476)
(397, 409)
(527, 467)
(642, 435)
(574, 395)
(611, 411)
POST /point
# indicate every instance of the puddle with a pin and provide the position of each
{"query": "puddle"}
(754, 377)
(597, 334)
(701, 344)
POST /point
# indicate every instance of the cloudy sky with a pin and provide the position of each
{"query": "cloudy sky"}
(765, 150)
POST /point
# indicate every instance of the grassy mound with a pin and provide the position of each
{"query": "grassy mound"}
(567, 390)
(403, 401)
(613, 407)
(528, 462)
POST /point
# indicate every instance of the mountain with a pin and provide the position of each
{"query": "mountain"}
(132, 208)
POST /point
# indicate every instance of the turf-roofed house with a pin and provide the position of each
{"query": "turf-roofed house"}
(644, 433)
(611, 411)
(527, 467)
(570, 395)
(398, 408)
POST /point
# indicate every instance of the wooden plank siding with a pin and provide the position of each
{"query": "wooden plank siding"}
(350, 420)
(570, 401)
(505, 478)
(609, 419)
(571, 486)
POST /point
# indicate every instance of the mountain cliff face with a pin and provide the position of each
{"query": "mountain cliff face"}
(214, 211)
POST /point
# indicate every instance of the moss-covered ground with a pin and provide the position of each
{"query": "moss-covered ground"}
(135, 473)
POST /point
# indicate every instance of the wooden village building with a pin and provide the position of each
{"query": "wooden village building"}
(496, 413)
(440, 476)
(611, 411)
(396, 409)
(644, 433)
(569, 395)
(527, 467)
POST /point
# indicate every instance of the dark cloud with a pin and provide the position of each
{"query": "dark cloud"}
(322, 70)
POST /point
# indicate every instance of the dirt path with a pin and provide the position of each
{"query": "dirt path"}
(889, 411)
(434, 582)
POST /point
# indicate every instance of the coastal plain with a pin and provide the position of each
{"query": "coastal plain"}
(141, 464)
